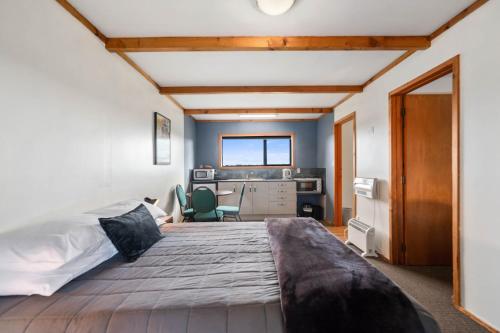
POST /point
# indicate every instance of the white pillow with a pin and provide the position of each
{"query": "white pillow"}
(50, 245)
(40, 259)
(46, 283)
(126, 206)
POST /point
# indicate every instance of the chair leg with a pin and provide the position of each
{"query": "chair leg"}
(238, 217)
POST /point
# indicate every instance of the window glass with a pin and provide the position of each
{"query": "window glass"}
(242, 152)
(256, 151)
(278, 151)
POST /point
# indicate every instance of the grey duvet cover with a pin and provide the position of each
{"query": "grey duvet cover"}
(202, 277)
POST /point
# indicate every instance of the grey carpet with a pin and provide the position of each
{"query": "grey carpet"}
(431, 286)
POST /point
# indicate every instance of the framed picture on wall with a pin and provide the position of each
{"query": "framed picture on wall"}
(162, 127)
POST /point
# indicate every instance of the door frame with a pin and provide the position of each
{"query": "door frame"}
(396, 213)
(337, 182)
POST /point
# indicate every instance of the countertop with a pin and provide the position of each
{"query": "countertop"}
(255, 180)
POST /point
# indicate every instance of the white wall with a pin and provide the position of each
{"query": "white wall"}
(476, 40)
(76, 121)
(347, 163)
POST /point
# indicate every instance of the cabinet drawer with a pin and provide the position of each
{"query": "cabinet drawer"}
(283, 197)
(290, 186)
(282, 190)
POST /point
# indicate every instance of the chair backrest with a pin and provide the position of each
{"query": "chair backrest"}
(203, 200)
(181, 196)
(242, 193)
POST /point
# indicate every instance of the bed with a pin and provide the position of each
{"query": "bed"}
(201, 277)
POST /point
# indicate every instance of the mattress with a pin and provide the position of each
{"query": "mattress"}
(202, 277)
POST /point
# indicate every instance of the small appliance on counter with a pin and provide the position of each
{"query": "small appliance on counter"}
(309, 185)
(287, 173)
(203, 174)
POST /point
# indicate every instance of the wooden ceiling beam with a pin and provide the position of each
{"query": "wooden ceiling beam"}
(259, 89)
(249, 111)
(272, 43)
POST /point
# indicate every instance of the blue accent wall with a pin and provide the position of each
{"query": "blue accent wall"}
(325, 159)
(189, 147)
(207, 134)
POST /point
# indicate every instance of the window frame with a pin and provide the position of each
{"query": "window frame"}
(272, 135)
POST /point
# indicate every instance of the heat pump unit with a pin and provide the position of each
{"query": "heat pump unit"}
(365, 187)
(362, 236)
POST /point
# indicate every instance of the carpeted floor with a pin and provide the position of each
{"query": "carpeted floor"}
(431, 286)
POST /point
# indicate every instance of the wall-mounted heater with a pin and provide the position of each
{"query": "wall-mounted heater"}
(362, 236)
(365, 187)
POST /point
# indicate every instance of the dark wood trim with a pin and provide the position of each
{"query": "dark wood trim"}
(395, 180)
(396, 215)
(473, 317)
(457, 18)
(337, 184)
(266, 43)
(256, 111)
(253, 120)
(383, 258)
(219, 143)
(453, 21)
(93, 29)
(137, 68)
(337, 179)
(342, 100)
(260, 89)
(387, 68)
(83, 20)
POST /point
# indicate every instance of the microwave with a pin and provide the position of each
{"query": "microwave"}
(308, 185)
(203, 174)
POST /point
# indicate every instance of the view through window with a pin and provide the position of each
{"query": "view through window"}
(240, 151)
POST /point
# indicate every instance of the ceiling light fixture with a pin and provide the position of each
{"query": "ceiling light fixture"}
(258, 115)
(275, 7)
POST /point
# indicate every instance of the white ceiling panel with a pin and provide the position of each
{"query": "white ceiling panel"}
(281, 116)
(263, 68)
(231, 101)
(119, 18)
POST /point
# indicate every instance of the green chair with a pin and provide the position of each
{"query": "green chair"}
(204, 202)
(187, 213)
(233, 211)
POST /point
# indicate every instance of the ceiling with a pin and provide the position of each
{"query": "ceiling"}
(174, 18)
(263, 68)
(119, 18)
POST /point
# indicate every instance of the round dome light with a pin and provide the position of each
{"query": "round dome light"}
(275, 7)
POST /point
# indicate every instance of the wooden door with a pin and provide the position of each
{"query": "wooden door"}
(260, 197)
(427, 135)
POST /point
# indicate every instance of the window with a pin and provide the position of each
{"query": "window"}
(256, 150)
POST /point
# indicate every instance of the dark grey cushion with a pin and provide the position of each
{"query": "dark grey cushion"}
(132, 233)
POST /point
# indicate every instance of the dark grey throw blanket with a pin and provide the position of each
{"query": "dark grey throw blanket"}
(326, 287)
